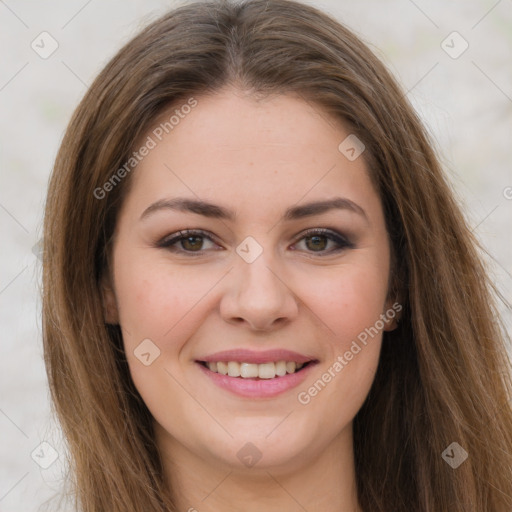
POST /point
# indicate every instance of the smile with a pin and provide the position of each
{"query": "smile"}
(270, 370)
(256, 380)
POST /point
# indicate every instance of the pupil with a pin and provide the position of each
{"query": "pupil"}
(316, 239)
(193, 245)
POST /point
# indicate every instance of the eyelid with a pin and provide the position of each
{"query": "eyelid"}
(168, 240)
(341, 240)
(326, 232)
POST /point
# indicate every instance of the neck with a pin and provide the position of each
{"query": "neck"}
(326, 482)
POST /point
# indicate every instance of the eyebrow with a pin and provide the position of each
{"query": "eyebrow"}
(214, 211)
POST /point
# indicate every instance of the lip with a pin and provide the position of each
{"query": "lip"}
(256, 357)
(257, 388)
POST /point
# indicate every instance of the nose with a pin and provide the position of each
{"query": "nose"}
(258, 295)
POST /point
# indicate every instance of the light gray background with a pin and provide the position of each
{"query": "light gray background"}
(466, 102)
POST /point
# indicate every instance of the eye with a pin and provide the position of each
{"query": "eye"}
(191, 241)
(318, 239)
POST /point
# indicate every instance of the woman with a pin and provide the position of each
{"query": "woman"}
(259, 291)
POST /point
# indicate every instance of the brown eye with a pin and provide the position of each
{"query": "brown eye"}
(318, 241)
(191, 243)
(187, 241)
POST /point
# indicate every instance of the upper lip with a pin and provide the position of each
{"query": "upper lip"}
(256, 357)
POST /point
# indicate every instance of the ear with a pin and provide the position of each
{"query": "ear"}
(391, 314)
(110, 310)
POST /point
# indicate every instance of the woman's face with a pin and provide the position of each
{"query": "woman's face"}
(287, 264)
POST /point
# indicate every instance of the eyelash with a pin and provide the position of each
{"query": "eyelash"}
(170, 241)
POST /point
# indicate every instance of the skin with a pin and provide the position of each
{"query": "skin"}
(256, 157)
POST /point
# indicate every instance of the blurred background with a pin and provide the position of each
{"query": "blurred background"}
(453, 58)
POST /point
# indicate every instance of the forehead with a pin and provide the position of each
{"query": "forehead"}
(232, 147)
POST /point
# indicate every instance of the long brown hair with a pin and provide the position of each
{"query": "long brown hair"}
(444, 374)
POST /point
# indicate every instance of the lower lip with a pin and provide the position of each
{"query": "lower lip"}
(260, 388)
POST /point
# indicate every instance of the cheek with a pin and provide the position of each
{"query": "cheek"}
(349, 300)
(154, 298)
(162, 302)
(162, 305)
(350, 304)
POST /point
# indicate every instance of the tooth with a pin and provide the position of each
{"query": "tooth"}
(222, 368)
(281, 368)
(267, 371)
(290, 367)
(248, 370)
(233, 369)
(251, 370)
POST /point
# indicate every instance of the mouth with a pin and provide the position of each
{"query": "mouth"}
(254, 371)
(262, 377)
